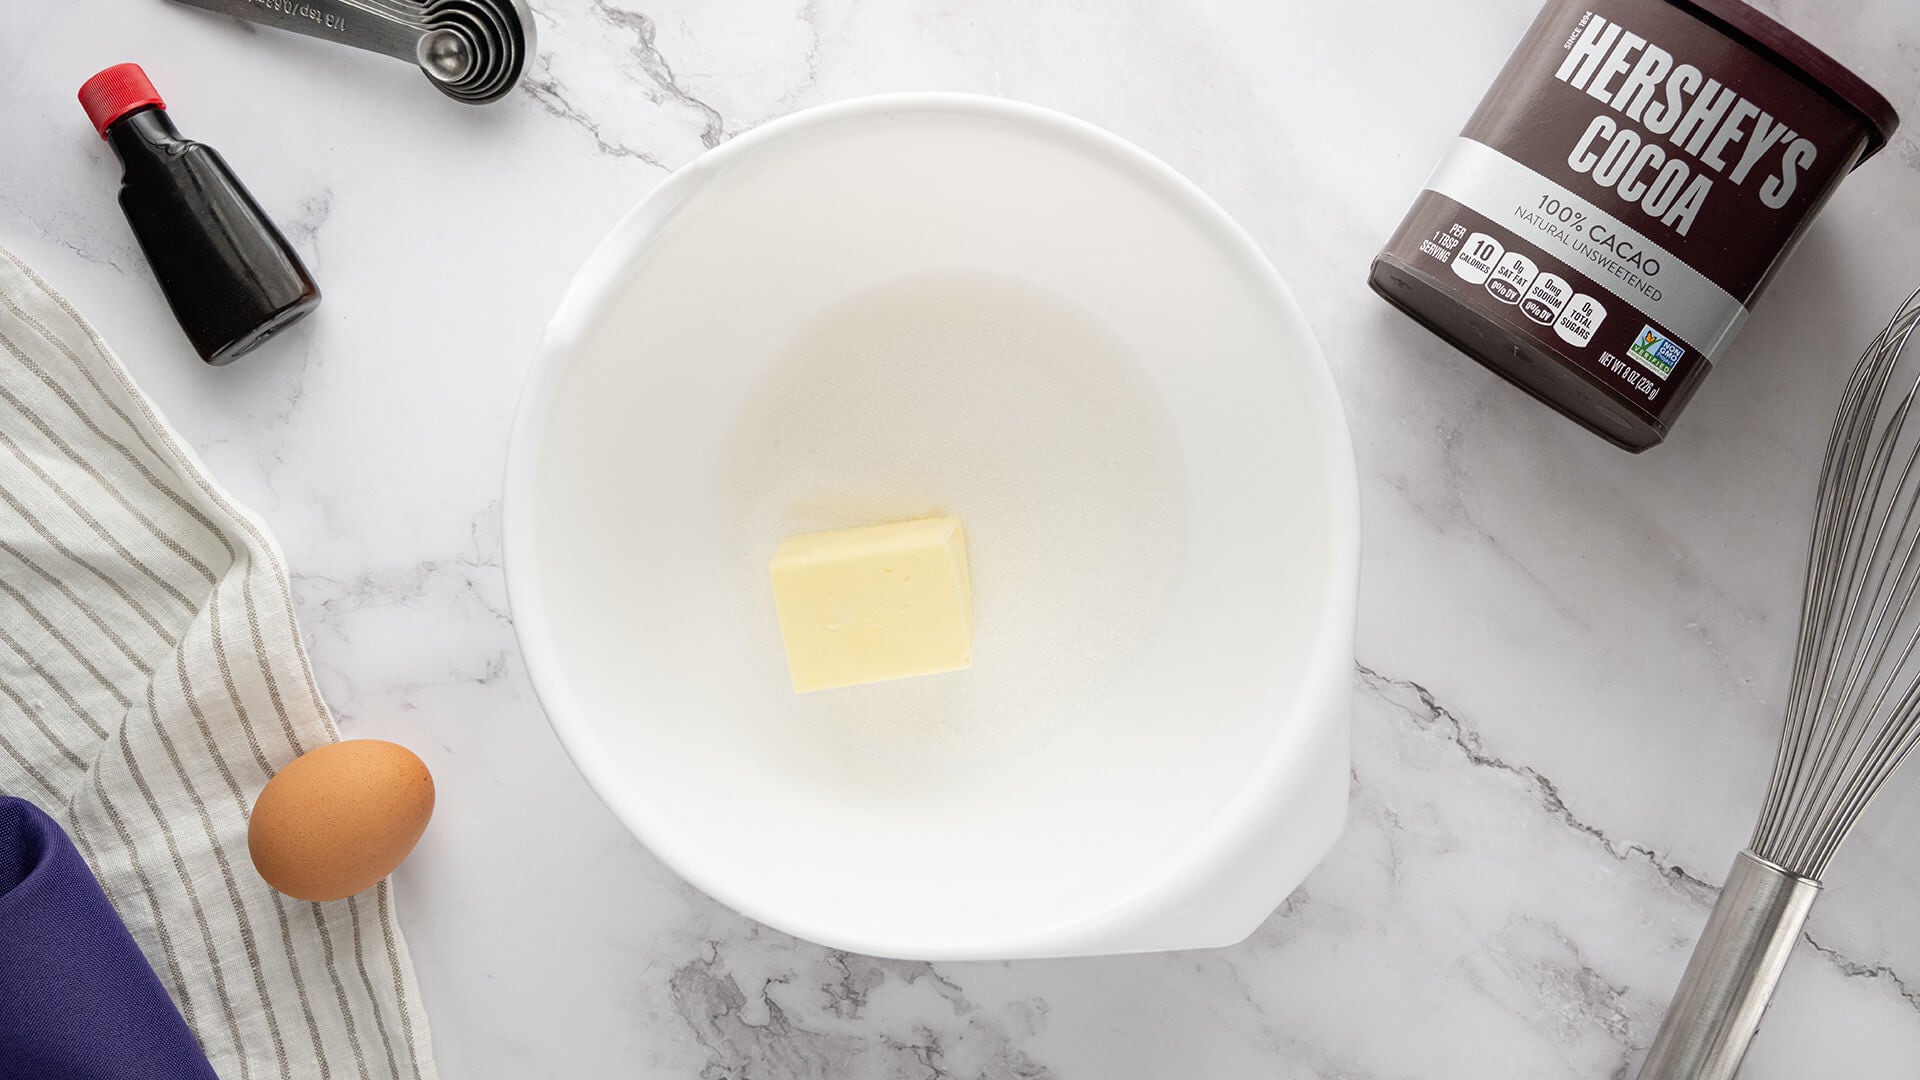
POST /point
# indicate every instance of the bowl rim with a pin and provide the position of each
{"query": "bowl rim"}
(598, 282)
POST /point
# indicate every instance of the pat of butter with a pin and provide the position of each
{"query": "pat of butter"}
(866, 605)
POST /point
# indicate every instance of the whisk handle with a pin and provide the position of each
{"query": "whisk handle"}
(1734, 969)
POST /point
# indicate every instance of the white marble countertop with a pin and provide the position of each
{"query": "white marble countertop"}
(1571, 660)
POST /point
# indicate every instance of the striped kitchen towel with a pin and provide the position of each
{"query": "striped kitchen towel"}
(152, 679)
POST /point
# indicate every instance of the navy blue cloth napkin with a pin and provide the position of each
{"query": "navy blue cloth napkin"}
(77, 999)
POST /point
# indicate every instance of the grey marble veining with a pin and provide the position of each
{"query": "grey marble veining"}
(1571, 661)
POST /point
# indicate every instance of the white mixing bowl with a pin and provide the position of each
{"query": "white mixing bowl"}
(1208, 780)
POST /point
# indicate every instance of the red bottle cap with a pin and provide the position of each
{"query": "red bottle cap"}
(114, 93)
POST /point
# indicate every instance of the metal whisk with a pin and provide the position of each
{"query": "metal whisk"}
(1853, 713)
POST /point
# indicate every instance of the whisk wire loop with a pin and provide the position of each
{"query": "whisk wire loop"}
(1853, 708)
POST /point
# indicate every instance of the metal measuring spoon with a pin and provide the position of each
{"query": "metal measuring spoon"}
(471, 50)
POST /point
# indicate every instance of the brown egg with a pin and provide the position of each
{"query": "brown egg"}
(339, 818)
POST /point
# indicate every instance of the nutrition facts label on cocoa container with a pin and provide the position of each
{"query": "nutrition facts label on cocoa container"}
(1512, 277)
(1553, 298)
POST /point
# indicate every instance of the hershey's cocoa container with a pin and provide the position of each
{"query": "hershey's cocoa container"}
(1624, 192)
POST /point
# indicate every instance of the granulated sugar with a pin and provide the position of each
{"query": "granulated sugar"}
(973, 395)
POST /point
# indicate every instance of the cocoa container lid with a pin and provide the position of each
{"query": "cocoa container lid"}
(1800, 57)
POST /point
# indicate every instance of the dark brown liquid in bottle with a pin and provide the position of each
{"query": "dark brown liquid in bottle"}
(231, 277)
